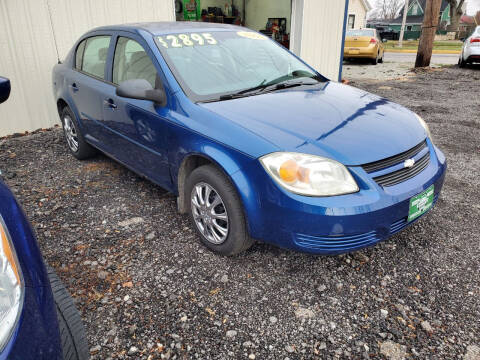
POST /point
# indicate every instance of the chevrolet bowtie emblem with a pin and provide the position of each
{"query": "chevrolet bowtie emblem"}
(408, 163)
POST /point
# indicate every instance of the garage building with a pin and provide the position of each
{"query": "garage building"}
(35, 34)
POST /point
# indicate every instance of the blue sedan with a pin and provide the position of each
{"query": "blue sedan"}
(254, 142)
(38, 319)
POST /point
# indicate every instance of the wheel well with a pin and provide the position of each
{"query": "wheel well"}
(61, 104)
(188, 165)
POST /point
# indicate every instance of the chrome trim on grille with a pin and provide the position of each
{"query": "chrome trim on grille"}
(382, 164)
(401, 175)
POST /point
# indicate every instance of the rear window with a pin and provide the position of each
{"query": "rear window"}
(360, 33)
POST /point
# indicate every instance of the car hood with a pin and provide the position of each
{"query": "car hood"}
(349, 125)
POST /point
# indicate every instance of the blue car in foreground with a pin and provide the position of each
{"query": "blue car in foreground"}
(38, 319)
(255, 143)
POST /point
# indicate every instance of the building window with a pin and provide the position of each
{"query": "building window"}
(351, 21)
(409, 27)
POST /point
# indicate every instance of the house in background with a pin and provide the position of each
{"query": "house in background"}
(416, 11)
(357, 14)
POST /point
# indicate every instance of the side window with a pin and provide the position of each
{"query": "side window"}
(79, 55)
(131, 61)
(95, 55)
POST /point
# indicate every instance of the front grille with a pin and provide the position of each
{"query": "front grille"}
(336, 242)
(401, 175)
(382, 164)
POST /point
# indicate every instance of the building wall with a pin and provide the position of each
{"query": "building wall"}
(31, 32)
(322, 33)
(355, 7)
(257, 12)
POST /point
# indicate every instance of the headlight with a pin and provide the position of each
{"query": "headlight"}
(425, 126)
(308, 174)
(11, 287)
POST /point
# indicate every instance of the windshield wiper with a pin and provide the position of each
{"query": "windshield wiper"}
(264, 87)
(243, 93)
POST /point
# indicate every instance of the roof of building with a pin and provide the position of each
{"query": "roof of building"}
(165, 27)
(417, 19)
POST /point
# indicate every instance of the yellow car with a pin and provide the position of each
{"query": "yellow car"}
(364, 43)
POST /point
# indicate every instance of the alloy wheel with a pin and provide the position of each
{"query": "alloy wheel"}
(209, 213)
(70, 133)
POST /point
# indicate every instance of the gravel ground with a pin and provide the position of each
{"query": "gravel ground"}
(148, 289)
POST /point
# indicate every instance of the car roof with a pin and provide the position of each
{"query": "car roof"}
(166, 27)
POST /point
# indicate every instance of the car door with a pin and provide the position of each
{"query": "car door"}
(135, 128)
(87, 82)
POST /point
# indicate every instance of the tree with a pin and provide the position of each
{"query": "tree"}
(456, 11)
(429, 28)
(388, 9)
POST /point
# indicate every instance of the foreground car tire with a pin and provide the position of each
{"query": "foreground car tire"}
(75, 141)
(462, 63)
(216, 211)
(72, 332)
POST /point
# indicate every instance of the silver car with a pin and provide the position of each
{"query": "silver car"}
(471, 49)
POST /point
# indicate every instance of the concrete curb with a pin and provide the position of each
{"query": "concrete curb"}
(415, 51)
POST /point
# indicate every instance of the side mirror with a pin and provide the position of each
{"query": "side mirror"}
(142, 90)
(4, 89)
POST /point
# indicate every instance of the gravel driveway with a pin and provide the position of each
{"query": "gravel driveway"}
(148, 289)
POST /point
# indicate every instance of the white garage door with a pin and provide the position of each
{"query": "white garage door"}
(34, 32)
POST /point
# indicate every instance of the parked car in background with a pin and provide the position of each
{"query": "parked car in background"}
(253, 141)
(38, 319)
(471, 49)
(364, 44)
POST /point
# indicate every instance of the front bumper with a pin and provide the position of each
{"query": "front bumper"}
(336, 224)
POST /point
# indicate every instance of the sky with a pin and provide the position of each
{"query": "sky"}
(473, 6)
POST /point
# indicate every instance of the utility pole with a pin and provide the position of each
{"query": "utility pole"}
(429, 28)
(404, 21)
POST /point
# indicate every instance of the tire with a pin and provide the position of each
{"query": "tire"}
(236, 238)
(72, 332)
(71, 131)
(381, 59)
(462, 63)
(375, 60)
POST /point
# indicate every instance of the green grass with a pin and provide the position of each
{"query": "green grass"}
(437, 45)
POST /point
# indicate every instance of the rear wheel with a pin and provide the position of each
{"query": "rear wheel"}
(462, 63)
(72, 332)
(75, 140)
(217, 212)
(375, 60)
(381, 59)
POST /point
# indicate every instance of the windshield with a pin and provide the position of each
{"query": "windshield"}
(208, 65)
(360, 33)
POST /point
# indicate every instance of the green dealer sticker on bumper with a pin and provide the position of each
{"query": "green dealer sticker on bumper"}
(420, 203)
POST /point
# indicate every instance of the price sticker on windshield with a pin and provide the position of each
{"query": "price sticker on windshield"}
(186, 40)
(251, 35)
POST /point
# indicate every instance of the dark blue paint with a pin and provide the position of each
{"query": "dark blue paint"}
(329, 119)
(36, 335)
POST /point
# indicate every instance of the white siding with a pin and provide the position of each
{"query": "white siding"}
(322, 33)
(28, 52)
(357, 8)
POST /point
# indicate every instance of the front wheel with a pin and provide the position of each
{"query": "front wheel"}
(217, 212)
(72, 332)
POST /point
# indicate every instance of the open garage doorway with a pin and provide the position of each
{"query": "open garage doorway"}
(270, 17)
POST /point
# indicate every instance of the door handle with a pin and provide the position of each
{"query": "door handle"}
(74, 87)
(109, 103)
